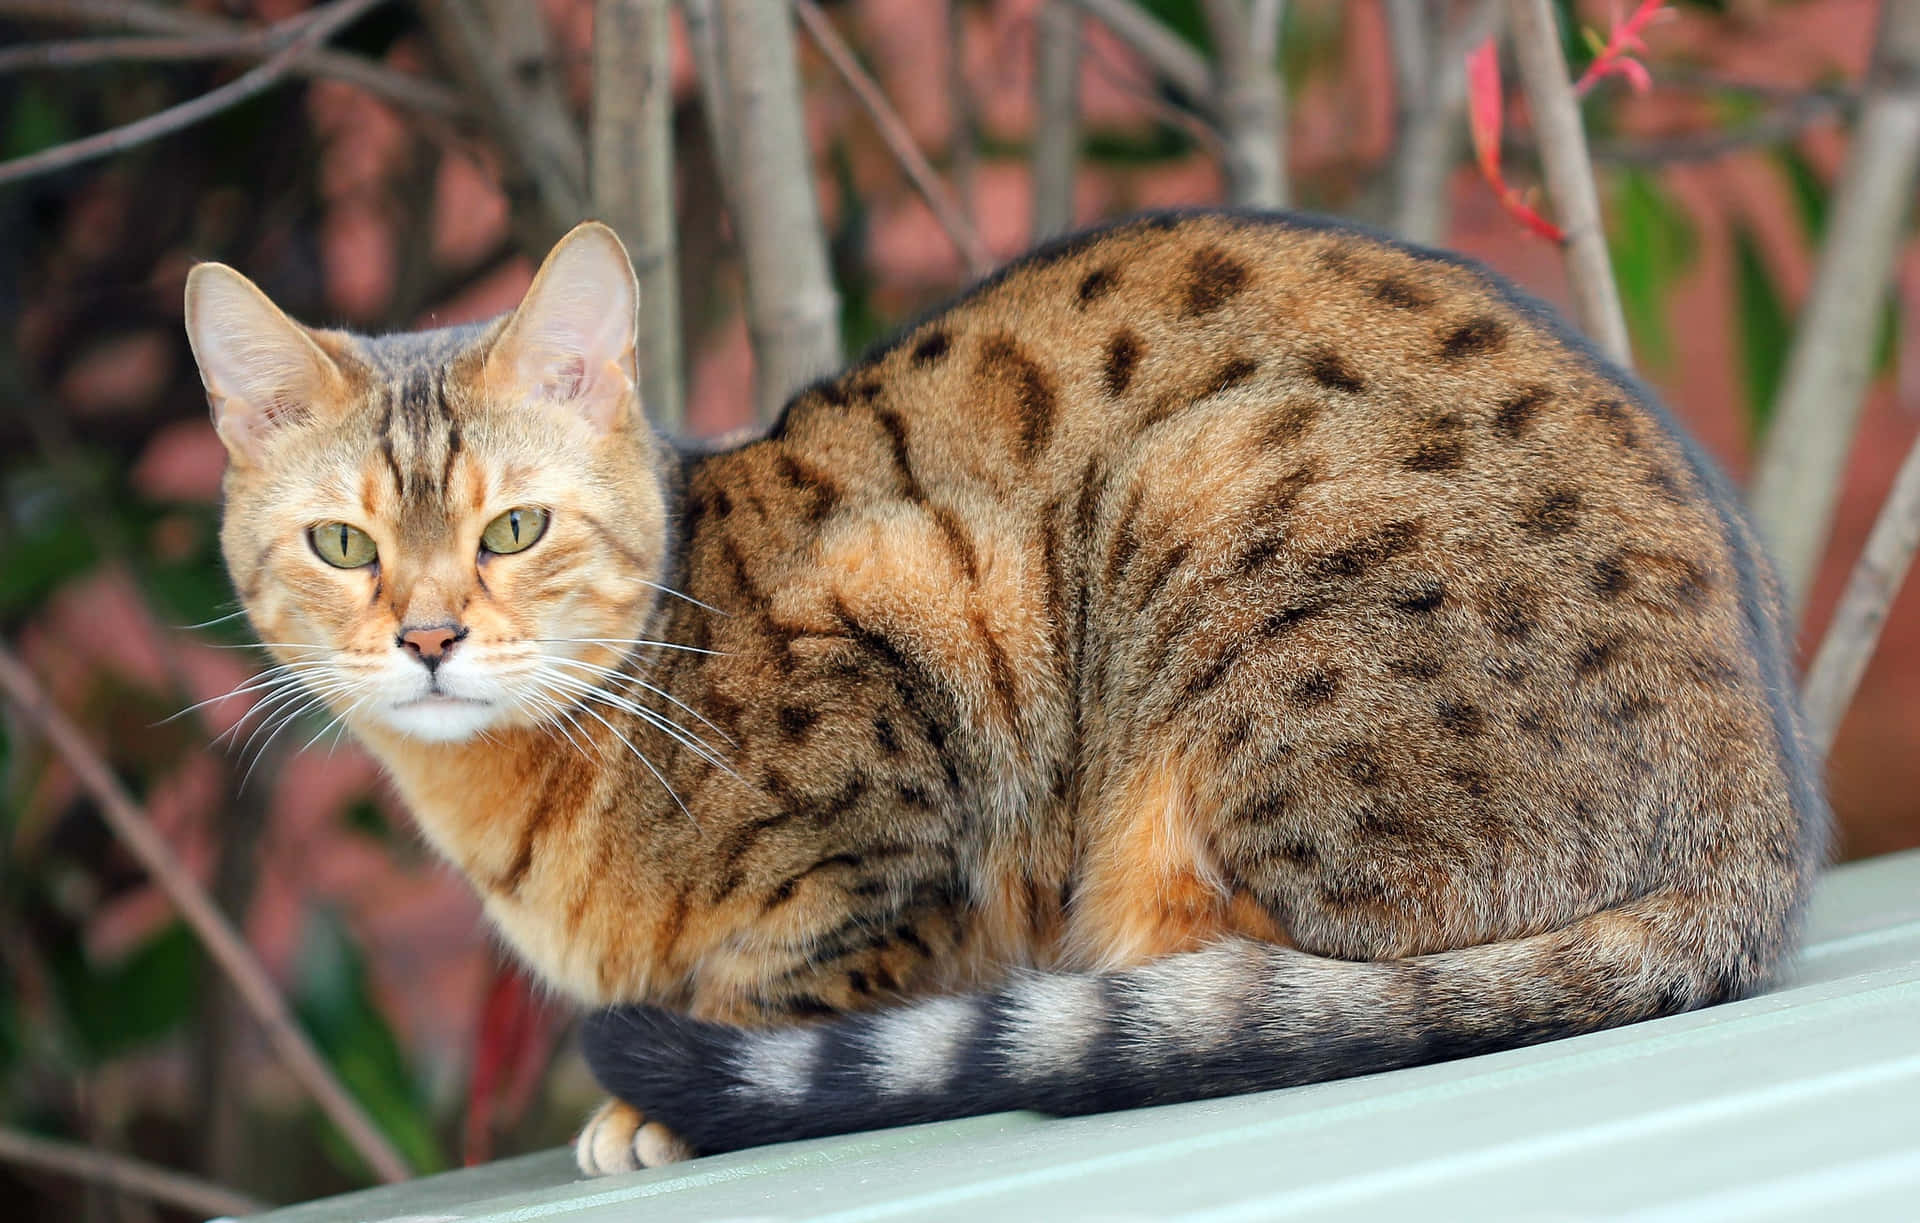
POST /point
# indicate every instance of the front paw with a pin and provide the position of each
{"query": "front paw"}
(619, 1138)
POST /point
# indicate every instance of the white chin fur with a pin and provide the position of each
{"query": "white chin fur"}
(441, 720)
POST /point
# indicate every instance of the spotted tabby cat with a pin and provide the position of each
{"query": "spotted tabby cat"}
(1218, 652)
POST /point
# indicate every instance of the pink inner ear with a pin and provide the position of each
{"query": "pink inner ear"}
(566, 380)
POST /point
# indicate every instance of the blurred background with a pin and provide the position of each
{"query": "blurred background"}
(384, 193)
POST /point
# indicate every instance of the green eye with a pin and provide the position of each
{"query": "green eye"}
(342, 546)
(514, 531)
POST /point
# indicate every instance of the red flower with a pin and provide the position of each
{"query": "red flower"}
(1484, 114)
(1612, 59)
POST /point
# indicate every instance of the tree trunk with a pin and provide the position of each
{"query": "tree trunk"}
(633, 184)
(1056, 142)
(793, 313)
(1831, 360)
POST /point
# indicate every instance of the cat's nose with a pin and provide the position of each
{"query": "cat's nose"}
(431, 643)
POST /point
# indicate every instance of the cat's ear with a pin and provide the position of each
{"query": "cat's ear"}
(572, 340)
(261, 369)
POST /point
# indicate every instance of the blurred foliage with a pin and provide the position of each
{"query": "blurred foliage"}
(1652, 243)
(335, 1005)
(115, 1008)
(1766, 330)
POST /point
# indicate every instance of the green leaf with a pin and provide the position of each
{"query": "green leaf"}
(335, 1005)
(1887, 343)
(36, 122)
(1183, 17)
(191, 588)
(1765, 329)
(1135, 146)
(115, 1008)
(1809, 192)
(363, 816)
(45, 530)
(1651, 245)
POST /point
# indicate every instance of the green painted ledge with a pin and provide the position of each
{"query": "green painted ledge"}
(1803, 1104)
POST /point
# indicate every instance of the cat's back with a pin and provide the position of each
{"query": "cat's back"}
(1280, 328)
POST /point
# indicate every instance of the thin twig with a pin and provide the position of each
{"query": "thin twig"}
(1056, 138)
(963, 133)
(946, 209)
(1431, 136)
(546, 164)
(1777, 126)
(226, 947)
(323, 24)
(1163, 50)
(631, 175)
(135, 49)
(1249, 98)
(703, 37)
(1147, 95)
(1830, 362)
(399, 88)
(1569, 174)
(124, 1175)
(793, 312)
(1862, 612)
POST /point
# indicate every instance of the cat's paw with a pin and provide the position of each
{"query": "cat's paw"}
(619, 1138)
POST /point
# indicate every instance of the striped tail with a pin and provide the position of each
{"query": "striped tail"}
(1235, 1017)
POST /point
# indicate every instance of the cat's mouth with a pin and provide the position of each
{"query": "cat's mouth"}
(439, 700)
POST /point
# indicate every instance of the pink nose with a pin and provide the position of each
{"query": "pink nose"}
(431, 643)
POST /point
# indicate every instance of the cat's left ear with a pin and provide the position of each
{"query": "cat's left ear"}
(572, 340)
(262, 370)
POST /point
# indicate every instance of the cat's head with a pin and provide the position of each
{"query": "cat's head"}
(442, 533)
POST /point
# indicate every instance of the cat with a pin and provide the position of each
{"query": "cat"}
(1217, 652)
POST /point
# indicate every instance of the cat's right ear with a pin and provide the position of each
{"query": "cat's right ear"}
(261, 369)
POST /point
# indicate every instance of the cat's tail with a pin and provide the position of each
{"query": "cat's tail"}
(1234, 1017)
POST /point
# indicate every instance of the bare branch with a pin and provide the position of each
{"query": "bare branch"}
(632, 180)
(1265, 18)
(499, 52)
(1569, 173)
(963, 138)
(1250, 103)
(703, 35)
(1431, 136)
(224, 945)
(1862, 613)
(315, 29)
(793, 313)
(946, 209)
(1830, 362)
(84, 52)
(1779, 125)
(399, 88)
(1163, 50)
(1146, 95)
(1056, 138)
(1411, 26)
(124, 1175)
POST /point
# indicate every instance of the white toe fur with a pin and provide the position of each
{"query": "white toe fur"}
(656, 1146)
(606, 1144)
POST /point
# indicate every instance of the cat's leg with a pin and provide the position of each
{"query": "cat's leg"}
(619, 1138)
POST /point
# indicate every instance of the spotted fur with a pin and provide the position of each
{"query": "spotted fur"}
(1218, 652)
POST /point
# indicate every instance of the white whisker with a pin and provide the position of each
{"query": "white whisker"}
(626, 641)
(642, 757)
(232, 615)
(611, 673)
(653, 717)
(678, 594)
